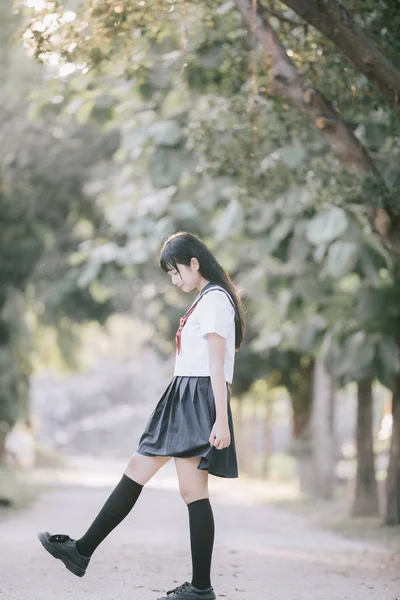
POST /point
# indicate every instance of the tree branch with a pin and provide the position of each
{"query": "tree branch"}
(332, 19)
(289, 83)
(282, 18)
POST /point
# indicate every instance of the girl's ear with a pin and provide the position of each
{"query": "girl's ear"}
(195, 264)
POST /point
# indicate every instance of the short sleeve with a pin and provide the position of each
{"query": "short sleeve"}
(216, 314)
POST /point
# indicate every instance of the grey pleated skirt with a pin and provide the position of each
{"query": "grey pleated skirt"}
(181, 423)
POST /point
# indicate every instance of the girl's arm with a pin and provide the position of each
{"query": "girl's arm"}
(220, 434)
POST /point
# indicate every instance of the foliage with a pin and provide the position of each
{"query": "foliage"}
(44, 215)
(205, 146)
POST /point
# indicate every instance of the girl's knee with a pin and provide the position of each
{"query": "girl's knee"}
(141, 468)
(193, 482)
(133, 463)
(190, 495)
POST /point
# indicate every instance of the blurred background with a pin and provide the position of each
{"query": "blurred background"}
(271, 130)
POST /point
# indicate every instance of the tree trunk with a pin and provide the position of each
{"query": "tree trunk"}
(301, 397)
(246, 436)
(239, 423)
(332, 19)
(323, 431)
(288, 83)
(252, 432)
(3, 437)
(365, 502)
(266, 440)
(392, 516)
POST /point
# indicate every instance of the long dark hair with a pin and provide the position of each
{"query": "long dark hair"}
(180, 248)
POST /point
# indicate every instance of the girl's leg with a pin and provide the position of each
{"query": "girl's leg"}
(193, 486)
(141, 468)
(139, 471)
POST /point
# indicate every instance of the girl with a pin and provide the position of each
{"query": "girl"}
(192, 422)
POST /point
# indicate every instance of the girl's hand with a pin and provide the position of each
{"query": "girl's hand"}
(220, 436)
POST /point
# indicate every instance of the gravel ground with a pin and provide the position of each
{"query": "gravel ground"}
(260, 553)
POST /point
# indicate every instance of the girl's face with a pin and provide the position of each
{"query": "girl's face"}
(187, 278)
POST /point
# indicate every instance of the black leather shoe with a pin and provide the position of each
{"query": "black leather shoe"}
(63, 547)
(187, 591)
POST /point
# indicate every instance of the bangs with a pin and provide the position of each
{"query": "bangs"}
(167, 260)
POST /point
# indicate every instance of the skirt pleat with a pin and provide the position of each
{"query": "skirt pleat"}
(181, 423)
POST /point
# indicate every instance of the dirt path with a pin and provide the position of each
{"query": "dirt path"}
(261, 553)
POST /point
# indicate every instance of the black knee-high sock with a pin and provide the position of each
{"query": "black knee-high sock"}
(117, 506)
(202, 531)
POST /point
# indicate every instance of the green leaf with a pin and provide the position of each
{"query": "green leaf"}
(89, 273)
(166, 133)
(100, 293)
(319, 253)
(166, 166)
(376, 244)
(83, 113)
(73, 5)
(294, 200)
(389, 353)
(368, 306)
(342, 258)
(330, 350)
(184, 211)
(213, 190)
(211, 57)
(308, 287)
(78, 258)
(299, 247)
(272, 239)
(294, 154)
(263, 221)
(157, 203)
(230, 221)
(388, 361)
(138, 251)
(376, 134)
(310, 332)
(357, 357)
(327, 226)
(133, 138)
(176, 102)
(282, 230)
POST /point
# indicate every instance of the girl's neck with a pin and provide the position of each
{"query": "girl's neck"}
(202, 284)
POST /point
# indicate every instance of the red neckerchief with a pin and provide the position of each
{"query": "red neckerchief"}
(182, 323)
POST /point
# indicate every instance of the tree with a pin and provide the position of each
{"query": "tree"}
(287, 81)
(392, 516)
(332, 19)
(43, 167)
(365, 501)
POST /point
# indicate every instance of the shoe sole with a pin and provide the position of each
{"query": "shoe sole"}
(78, 571)
(198, 598)
(168, 598)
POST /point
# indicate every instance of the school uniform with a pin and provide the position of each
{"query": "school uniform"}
(181, 422)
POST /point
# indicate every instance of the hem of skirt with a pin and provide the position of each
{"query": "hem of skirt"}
(207, 467)
(233, 475)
